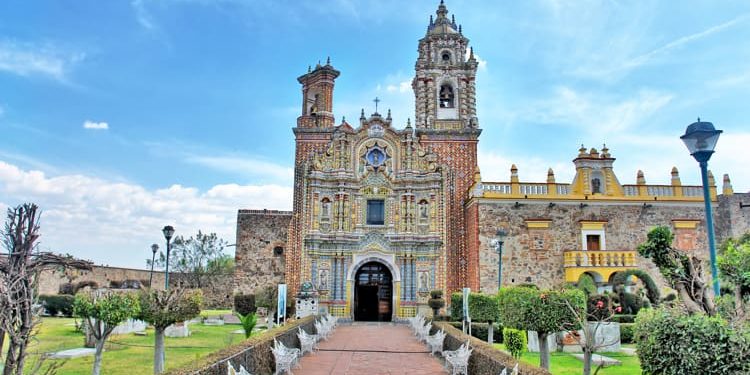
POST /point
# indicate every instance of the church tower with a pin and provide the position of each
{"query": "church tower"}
(313, 132)
(446, 123)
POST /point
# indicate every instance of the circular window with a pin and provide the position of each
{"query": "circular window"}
(278, 250)
(446, 57)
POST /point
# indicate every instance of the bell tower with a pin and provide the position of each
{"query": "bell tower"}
(444, 81)
(447, 124)
(317, 96)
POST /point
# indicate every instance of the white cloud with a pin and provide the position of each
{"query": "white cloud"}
(114, 223)
(401, 87)
(95, 125)
(244, 166)
(28, 60)
(597, 114)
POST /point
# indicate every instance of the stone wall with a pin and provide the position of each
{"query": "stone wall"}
(217, 292)
(536, 255)
(104, 277)
(733, 216)
(261, 249)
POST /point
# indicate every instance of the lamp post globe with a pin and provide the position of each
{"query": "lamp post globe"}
(168, 232)
(700, 138)
(154, 249)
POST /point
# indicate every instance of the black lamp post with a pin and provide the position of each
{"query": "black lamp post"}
(700, 138)
(168, 233)
(498, 244)
(154, 249)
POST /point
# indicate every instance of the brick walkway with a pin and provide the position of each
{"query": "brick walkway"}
(373, 349)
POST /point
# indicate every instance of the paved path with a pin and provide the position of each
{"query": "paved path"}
(373, 349)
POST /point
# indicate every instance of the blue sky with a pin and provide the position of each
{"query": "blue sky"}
(119, 117)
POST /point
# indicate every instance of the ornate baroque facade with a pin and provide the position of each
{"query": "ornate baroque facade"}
(384, 214)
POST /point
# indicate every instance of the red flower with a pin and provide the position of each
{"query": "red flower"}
(618, 309)
(600, 304)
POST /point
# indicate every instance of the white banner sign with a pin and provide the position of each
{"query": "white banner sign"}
(281, 307)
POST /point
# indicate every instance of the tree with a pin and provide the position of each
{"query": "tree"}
(683, 272)
(162, 308)
(590, 320)
(484, 308)
(19, 272)
(101, 313)
(198, 259)
(734, 264)
(541, 311)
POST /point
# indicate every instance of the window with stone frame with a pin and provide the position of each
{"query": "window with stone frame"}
(375, 212)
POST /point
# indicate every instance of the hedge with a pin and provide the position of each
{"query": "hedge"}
(479, 330)
(55, 304)
(626, 333)
(483, 308)
(671, 343)
(457, 307)
(485, 359)
(254, 353)
(623, 318)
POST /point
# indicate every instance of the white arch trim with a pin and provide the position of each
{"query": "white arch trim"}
(387, 259)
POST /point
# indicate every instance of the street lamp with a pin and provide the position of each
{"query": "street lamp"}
(168, 233)
(497, 243)
(154, 249)
(700, 138)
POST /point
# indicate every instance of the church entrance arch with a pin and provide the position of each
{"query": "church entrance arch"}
(373, 293)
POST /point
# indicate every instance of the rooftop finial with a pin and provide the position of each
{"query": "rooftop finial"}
(328, 60)
(362, 114)
(389, 114)
(309, 68)
(459, 29)
(376, 100)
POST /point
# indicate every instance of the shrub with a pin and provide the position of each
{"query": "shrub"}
(244, 304)
(626, 333)
(62, 304)
(652, 291)
(515, 341)
(483, 308)
(248, 322)
(586, 284)
(670, 342)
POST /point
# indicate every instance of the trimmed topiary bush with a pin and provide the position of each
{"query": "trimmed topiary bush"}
(670, 342)
(515, 341)
(484, 308)
(244, 304)
(543, 311)
(436, 302)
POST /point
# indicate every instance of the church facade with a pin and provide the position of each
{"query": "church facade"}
(384, 213)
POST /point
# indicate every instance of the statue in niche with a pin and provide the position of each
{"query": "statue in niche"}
(323, 279)
(424, 212)
(325, 209)
(424, 280)
(446, 96)
(596, 186)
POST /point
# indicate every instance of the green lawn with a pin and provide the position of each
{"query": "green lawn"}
(130, 354)
(207, 313)
(566, 364)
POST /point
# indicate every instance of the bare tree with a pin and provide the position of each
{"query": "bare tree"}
(19, 271)
(590, 322)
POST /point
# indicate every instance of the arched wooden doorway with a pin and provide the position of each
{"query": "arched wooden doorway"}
(373, 293)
